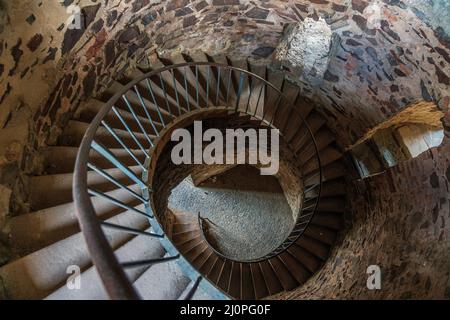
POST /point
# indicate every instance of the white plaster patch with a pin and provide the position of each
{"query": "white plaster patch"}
(373, 15)
(307, 46)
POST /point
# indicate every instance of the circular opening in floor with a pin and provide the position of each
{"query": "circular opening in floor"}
(247, 214)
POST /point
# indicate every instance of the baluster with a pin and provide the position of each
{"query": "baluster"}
(149, 86)
(144, 106)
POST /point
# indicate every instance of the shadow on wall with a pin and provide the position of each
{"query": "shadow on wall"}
(402, 137)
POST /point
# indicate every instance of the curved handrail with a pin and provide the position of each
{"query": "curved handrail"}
(110, 270)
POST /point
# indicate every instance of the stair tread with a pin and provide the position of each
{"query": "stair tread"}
(34, 230)
(50, 190)
(61, 159)
(162, 281)
(138, 248)
(310, 261)
(49, 264)
(314, 246)
(74, 133)
(89, 110)
(322, 234)
(296, 268)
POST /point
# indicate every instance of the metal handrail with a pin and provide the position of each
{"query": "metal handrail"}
(110, 270)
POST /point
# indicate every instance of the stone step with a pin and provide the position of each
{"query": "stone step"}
(191, 79)
(35, 230)
(52, 190)
(302, 137)
(314, 246)
(38, 274)
(162, 281)
(187, 98)
(61, 159)
(323, 138)
(331, 204)
(139, 248)
(153, 95)
(332, 220)
(327, 156)
(310, 261)
(323, 234)
(74, 133)
(90, 109)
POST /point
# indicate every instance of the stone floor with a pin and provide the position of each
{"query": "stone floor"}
(250, 213)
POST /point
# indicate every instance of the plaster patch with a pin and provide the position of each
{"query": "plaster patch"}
(306, 46)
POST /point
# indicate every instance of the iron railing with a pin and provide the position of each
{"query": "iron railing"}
(149, 104)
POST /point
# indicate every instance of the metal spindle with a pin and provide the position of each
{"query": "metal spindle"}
(277, 107)
(186, 88)
(149, 86)
(259, 98)
(129, 230)
(228, 86)
(144, 106)
(124, 146)
(119, 116)
(116, 202)
(250, 90)
(176, 91)
(218, 86)
(196, 82)
(207, 85)
(241, 83)
(116, 182)
(116, 162)
(142, 263)
(137, 120)
(165, 93)
(191, 289)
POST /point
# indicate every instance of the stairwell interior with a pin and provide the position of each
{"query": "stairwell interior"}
(359, 90)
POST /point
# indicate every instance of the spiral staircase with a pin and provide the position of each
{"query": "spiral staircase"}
(127, 248)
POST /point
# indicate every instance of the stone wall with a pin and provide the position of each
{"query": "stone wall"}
(399, 221)
(386, 55)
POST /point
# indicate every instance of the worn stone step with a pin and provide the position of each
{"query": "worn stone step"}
(89, 110)
(323, 138)
(302, 137)
(310, 261)
(35, 230)
(74, 133)
(331, 204)
(52, 190)
(162, 281)
(332, 220)
(322, 234)
(159, 99)
(38, 274)
(335, 170)
(139, 248)
(302, 108)
(187, 95)
(327, 156)
(61, 159)
(295, 267)
(314, 246)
